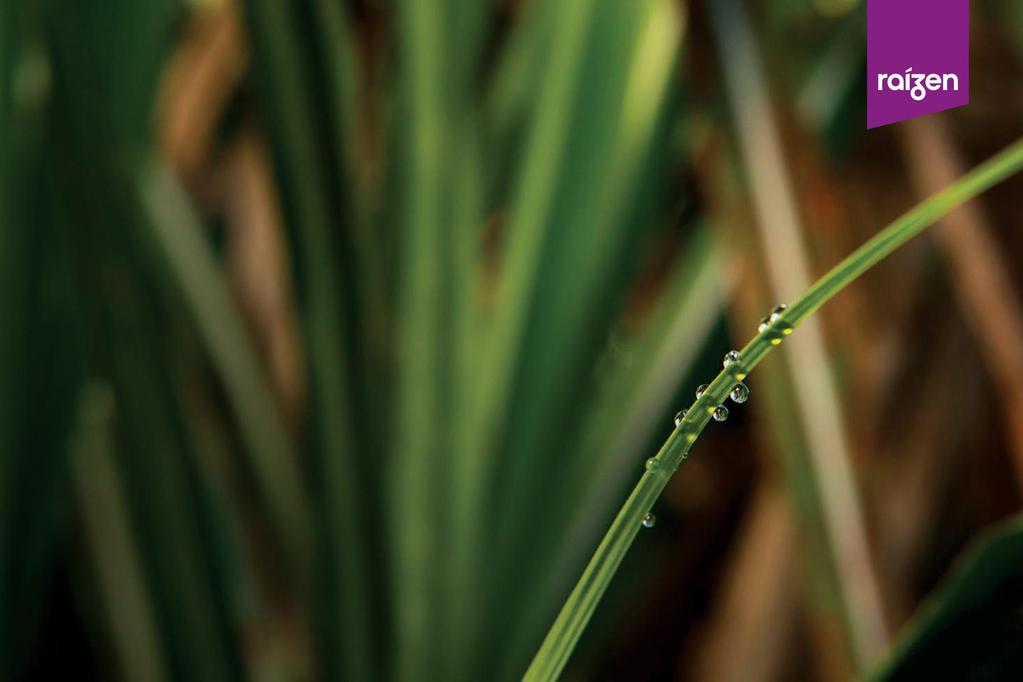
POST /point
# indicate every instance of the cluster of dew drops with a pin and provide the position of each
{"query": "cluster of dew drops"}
(739, 392)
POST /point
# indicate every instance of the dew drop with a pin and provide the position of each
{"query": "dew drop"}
(740, 393)
(771, 317)
(651, 464)
(720, 413)
(649, 520)
(701, 390)
(679, 416)
(731, 357)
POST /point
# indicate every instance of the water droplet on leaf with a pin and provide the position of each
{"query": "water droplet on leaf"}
(740, 393)
(720, 413)
(701, 390)
(649, 520)
(731, 357)
(679, 416)
(771, 317)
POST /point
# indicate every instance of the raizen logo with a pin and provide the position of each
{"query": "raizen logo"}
(918, 58)
(917, 84)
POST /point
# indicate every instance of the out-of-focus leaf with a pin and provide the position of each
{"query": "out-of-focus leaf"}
(107, 527)
(39, 359)
(582, 602)
(203, 290)
(482, 428)
(107, 64)
(629, 398)
(302, 129)
(786, 263)
(570, 244)
(433, 123)
(971, 627)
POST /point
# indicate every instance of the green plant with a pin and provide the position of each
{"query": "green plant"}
(498, 265)
(968, 627)
(566, 630)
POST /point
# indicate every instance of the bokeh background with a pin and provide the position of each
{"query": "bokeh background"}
(333, 333)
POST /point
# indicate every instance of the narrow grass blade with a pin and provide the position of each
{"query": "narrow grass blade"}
(202, 287)
(629, 399)
(783, 434)
(566, 288)
(968, 628)
(508, 101)
(167, 508)
(107, 527)
(568, 627)
(463, 324)
(814, 387)
(329, 292)
(755, 614)
(422, 404)
(648, 377)
(39, 355)
(923, 460)
(338, 49)
(594, 220)
(977, 269)
(500, 344)
(172, 520)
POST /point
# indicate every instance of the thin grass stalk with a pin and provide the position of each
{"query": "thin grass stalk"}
(494, 372)
(589, 238)
(923, 460)
(992, 559)
(645, 377)
(784, 437)
(783, 253)
(755, 614)
(440, 62)
(417, 448)
(39, 362)
(463, 319)
(440, 218)
(977, 268)
(531, 208)
(107, 528)
(155, 455)
(586, 256)
(202, 288)
(347, 639)
(550, 660)
(507, 102)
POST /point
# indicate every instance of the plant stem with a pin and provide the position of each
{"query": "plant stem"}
(844, 559)
(581, 603)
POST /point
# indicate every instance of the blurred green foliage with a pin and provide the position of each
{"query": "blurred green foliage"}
(471, 198)
(434, 417)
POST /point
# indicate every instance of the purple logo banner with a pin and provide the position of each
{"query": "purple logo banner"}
(918, 58)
